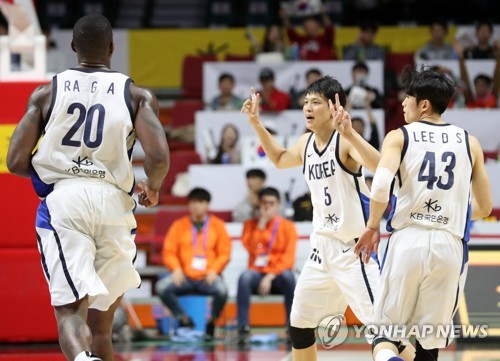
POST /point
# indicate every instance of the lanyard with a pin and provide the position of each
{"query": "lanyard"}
(204, 229)
(273, 235)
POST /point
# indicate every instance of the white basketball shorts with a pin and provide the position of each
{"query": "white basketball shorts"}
(85, 231)
(422, 278)
(332, 278)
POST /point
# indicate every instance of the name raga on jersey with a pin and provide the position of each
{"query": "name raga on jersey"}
(74, 86)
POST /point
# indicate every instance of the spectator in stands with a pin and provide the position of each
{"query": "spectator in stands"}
(437, 48)
(272, 99)
(360, 94)
(317, 41)
(228, 151)
(249, 207)
(365, 48)
(226, 100)
(271, 242)
(196, 250)
(483, 49)
(358, 124)
(274, 41)
(303, 208)
(486, 89)
(297, 97)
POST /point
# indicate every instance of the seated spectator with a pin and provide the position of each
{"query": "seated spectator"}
(437, 48)
(359, 93)
(303, 208)
(249, 207)
(271, 98)
(364, 48)
(274, 41)
(483, 48)
(297, 97)
(226, 100)
(271, 242)
(228, 151)
(317, 41)
(358, 124)
(486, 88)
(196, 250)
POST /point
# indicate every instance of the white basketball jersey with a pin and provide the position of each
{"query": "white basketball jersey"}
(433, 184)
(339, 197)
(88, 132)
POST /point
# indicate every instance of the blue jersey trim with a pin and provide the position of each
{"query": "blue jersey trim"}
(394, 202)
(42, 189)
(305, 153)
(52, 101)
(44, 263)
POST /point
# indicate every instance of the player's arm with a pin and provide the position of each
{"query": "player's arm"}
(28, 132)
(280, 156)
(481, 189)
(361, 151)
(154, 142)
(384, 175)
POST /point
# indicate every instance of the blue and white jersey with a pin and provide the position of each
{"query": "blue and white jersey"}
(88, 131)
(339, 197)
(433, 185)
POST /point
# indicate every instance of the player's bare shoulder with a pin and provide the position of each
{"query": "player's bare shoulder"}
(143, 97)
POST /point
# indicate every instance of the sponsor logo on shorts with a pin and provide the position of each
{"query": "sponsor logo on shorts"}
(315, 256)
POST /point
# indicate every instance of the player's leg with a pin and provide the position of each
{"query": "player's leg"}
(316, 297)
(75, 337)
(101, 326)
(402, 268)
(442, 287)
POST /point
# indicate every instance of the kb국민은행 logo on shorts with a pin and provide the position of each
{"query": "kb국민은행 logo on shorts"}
(332, 331)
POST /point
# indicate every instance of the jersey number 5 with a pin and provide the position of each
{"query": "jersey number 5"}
(428, 174)
(328, 198)
(86, 117)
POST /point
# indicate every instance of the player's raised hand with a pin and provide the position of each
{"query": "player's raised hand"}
(367, 244)
(251, 107)
(147, 197)
(341, 117)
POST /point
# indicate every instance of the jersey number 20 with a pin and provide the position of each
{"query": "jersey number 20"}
(87, 117)
(429, 174)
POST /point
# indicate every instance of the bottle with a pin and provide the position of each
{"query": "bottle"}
(460, 101)
(294, 52)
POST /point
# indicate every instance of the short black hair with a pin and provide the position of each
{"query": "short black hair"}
(313, 71)
(270, 191)
(257, 173)
(327, 87)
(357, 119)
(360, 65)
(440, 23)
(483, 77)
(369, 26)
(225, 76)
(92, 34)
(483, 22)
(429, 84)
(199, 194)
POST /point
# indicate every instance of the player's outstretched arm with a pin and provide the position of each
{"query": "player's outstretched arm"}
(384, 175)
(361, 151)
(154, 142)
(279, 155)
(28, 132)
(481, 189)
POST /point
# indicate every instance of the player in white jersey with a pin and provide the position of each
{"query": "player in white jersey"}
(331, 156)
(439, 185)
(85, 123)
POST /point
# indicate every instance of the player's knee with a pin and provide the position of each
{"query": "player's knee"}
(379, 340)
(302, 337)
(421, 354)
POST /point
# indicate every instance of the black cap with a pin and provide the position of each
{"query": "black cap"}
(266, 73)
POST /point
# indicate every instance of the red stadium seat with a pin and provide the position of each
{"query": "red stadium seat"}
(183, 112)
(179, 162)
(192, 75)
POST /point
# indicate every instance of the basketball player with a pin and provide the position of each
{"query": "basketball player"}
(437, 165)
(331, 157)
(87, 120)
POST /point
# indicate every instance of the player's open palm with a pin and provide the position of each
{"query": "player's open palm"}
(341, 117)
(251, 107)
(367, 244)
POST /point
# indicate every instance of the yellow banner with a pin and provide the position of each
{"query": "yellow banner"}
(6, 131)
